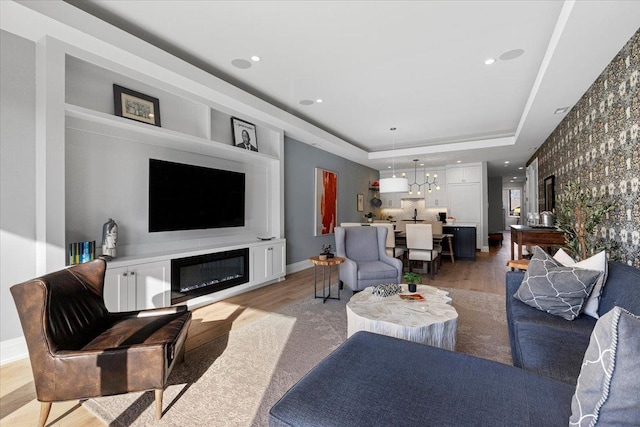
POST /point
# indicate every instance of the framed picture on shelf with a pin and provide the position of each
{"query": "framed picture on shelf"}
(244, 134)
(136, 106)
(326, 202)
(360, 202)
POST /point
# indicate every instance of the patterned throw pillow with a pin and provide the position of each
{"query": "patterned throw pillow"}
(552, 288)
(608, 389)
(596, 262)
(386, 290)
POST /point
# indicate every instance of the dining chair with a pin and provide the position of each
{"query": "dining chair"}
(420, 246)
(392, 249)
(436, 228)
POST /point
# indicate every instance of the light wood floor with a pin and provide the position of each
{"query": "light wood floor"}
(18, 404)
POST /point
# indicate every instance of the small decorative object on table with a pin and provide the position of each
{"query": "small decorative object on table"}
(386, 290)
(109, 239)
(370, 216)
(451, 220)
(326, 252)
(413, 279)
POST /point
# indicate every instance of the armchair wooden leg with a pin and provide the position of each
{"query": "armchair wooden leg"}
(45, 408)
(159, 404)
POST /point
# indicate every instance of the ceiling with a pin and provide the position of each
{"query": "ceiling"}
(418, 66)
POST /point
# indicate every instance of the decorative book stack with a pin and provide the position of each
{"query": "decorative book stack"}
(80, 252)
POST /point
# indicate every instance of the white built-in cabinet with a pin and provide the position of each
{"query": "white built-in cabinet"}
(391, 200)
(138, 287)
(465, 192)
(437, 198)
(269, 261)
(96, 167)
(464, 174)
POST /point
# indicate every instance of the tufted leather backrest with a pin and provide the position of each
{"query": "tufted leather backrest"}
(63, 310)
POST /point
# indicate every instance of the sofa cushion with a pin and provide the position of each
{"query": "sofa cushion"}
(552, 288)
(375, 380)
(554, 353)
(596, 262)
(622, 289)
(608, 391)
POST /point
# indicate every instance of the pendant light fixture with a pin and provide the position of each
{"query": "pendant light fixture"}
(394, 184)
(428, 183)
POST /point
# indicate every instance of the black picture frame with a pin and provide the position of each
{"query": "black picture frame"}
(549, 193)
(242, 129)
(136, 106)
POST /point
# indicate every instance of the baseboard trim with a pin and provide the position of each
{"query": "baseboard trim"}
(12, 350)
(298, 266)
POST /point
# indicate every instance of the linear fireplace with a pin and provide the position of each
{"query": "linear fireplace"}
(205, 274)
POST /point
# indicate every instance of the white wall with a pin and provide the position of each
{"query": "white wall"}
(17, 179)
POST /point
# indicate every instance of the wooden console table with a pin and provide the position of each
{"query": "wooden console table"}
(525, 235)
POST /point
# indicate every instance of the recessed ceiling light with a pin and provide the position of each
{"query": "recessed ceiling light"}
(561, 110)
(521, 167)
(506, 162)
(255, 58)
(459, 161)
(388, 167)
(319, 100)
(489, 61)
(421, 164)
(241, 63)
(306, 102)
(511, 181)
(515, 177)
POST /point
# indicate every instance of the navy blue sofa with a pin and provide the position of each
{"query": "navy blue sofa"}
(552, 346)
(374, 380)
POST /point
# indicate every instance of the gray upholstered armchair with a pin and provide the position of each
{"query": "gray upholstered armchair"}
(367, 262)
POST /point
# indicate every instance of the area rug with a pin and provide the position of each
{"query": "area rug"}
(235, 379)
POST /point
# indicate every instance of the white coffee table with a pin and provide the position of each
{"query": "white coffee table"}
(432, 321)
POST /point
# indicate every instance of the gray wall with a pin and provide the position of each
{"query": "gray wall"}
(17, 173)
(299, 182)
(495, 215)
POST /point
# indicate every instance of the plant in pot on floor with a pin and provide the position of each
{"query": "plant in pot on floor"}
(412, 280)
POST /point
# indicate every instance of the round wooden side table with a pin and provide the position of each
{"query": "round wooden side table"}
(326, 281)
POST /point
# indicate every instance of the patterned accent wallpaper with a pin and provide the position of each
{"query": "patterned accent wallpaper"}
(597, 144)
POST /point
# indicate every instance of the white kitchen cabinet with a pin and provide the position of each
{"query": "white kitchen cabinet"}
(465, 205)
(138, 287)
(269, 261)
(464, 174)
(391, 200)
(437, 198)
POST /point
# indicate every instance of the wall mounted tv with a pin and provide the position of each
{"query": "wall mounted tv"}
(188, 197)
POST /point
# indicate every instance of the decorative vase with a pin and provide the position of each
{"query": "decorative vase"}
(369, 219)
(322, 257)
(413, 287)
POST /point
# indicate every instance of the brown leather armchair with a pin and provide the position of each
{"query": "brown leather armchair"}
(78, 349)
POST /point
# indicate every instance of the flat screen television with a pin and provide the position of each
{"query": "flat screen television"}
(188, 197)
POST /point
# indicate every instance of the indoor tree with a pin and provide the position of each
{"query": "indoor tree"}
(578, 212)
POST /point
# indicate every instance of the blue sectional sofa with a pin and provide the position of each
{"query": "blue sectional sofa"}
(552, 346)
(374, 380)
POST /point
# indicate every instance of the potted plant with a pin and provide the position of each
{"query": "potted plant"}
(578, 212)
(412, 280)
(370, 216)
(326, 252)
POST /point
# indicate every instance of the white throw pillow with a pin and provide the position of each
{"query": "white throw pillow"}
(596, 262)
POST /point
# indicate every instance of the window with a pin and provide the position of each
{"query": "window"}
(514, 202)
